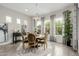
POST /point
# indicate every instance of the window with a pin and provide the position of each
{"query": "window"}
(18, 21)
(38, 23)
(24, 27)
(25, 22)
(47, 26)
(58, 26)
(38, 27)
(8, 19)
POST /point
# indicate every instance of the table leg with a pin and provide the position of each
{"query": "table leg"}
(13, 39)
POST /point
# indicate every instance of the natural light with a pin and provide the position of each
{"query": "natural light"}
(59, 19)
(46, 21)
(25, 22)
(8, 19)
(38, 23)
(18, 21)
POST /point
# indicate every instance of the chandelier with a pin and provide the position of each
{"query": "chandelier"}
(37, 14)
(36, 17)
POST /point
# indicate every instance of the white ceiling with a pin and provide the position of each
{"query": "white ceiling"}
(42, 8)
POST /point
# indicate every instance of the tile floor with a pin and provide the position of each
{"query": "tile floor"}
(54, 49)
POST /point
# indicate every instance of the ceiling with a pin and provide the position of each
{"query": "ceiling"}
(35, 9)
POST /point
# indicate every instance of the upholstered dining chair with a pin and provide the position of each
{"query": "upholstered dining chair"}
(32, 40)
(24, 40)
(46, 37)
(43, 40)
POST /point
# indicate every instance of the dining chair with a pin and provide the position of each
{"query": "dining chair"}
(43, 40)
(46, 37)
(24, 40)
(32, 40)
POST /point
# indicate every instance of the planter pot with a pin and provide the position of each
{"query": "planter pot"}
(68, 43)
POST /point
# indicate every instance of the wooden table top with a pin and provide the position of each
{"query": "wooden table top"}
(40, 36)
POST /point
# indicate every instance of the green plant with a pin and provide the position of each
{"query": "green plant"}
(47, 27)
(67, 27)
(58, 27)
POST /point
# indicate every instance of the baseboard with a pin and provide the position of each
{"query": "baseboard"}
(7, 42)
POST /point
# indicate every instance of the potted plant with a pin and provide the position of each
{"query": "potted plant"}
(67, 28)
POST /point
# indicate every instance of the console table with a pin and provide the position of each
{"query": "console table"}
(15, 35)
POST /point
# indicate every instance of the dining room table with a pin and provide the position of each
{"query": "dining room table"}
(40, 36)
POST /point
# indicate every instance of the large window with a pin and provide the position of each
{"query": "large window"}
(18, 21)
(58, 26)
(38, 26)
(24, 27)
(8, 19)
(47, 26)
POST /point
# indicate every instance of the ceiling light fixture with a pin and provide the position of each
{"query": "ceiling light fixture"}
(26, 9)
(37, 13)
(36, 17)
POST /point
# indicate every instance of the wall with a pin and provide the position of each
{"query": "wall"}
(13, 25)
(78, 28)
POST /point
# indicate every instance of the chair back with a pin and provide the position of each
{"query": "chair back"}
(31, 38)
(22, 36)
(46, 35)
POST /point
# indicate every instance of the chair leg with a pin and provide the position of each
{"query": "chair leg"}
(44, 46)
(23, 46)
